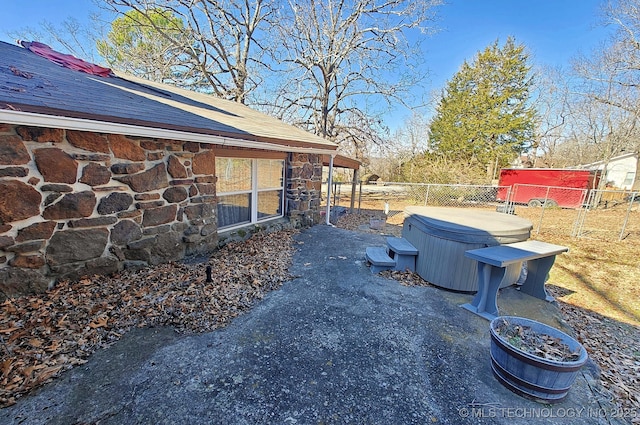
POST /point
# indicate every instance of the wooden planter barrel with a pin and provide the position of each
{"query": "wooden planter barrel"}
(533, 377)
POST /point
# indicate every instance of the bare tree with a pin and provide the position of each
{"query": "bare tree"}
(613, 76)
(551, 101)
(344, 60)
(623, 53)
(224, 40)
(359, 132)
(407, 146)
(70, 36)
(602, 116)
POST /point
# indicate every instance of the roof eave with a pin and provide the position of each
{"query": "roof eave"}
(342, 161)
(83, 124)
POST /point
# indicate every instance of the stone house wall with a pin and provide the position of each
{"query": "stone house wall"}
(76, 203)
(304, 189)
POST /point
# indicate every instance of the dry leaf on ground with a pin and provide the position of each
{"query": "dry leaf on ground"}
(46, 334)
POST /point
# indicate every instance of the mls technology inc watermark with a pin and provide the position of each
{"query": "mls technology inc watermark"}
(489, 411)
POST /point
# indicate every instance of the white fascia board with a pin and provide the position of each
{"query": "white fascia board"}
(68, 123)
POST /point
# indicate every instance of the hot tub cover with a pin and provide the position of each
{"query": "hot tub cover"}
(470, 225)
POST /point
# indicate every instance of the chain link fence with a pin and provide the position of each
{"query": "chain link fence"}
(579, 213)
(610, 215)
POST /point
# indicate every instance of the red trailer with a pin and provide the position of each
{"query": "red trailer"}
(535, 187)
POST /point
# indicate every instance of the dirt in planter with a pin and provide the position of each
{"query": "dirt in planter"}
(535, 343)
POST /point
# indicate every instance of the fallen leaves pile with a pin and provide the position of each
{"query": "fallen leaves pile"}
(615, 348)
(535, 343)
(361, 222)
(43, 335)
(405, 278)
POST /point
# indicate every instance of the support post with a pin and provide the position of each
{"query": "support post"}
(485, 303)
(353, 190)
(360, 197)
(329, 183)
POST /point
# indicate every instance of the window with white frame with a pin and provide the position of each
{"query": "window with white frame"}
(249, 190)
(628, 180)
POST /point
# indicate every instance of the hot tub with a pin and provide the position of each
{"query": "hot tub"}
(442, 235)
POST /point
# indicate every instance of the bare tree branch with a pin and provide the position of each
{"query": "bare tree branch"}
(343, 58)
(220, 43)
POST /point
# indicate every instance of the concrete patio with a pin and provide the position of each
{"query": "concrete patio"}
(335, 345)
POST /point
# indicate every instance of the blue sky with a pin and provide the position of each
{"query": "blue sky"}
(553, 30)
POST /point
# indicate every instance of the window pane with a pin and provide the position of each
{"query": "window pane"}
(628, 179)
(269, 203)
(234, 209)
(234, 175)
(270, 173)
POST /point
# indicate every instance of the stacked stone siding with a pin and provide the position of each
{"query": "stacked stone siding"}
(77, 203)
(304, 188)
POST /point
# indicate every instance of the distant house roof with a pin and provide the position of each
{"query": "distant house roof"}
(35, 91)
(597, 164)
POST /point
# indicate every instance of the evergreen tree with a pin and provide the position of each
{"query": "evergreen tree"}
(484, 119)
(145, 45)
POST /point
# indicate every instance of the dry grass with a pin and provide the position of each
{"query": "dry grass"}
(598, 275)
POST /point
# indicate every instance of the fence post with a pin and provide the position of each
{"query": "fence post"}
(626, 218)
(575, 231)
(360, 197)
(426, 197)
(544, 206)
(582, 214)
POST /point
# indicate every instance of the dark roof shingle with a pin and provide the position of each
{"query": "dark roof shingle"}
(32, 84)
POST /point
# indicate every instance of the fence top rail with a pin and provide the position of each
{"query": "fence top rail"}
(419, 184)
(620, 191)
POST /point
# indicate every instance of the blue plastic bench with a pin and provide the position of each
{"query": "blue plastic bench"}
(492, 263)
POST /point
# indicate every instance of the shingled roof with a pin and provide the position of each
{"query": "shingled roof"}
(36, 91)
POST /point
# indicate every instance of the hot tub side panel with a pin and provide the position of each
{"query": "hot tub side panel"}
(442, 262)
